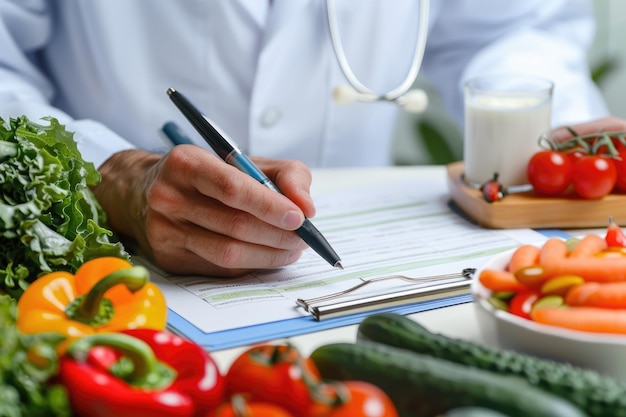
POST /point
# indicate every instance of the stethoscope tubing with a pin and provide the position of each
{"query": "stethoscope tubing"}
(367, 94)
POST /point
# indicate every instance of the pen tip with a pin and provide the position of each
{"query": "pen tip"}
(170, 91)
(338, 265)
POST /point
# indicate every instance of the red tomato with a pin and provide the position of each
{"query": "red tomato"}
(492, 190)
(594, 176)
(615, 236)
(550, 172)
(619, 145)
(522, 303)
(354, 399)
(575, 155)
(276, 374)
(620, 167)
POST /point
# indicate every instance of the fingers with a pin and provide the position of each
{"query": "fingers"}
(205, 216)
(606, 124)
(195, 169)
(208, 213)
(188, 249)
(293, 178)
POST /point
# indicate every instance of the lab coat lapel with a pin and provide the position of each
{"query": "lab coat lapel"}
(257, 10)
(282, 14)
(278, 11)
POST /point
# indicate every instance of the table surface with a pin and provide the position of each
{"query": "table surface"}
(456, 321)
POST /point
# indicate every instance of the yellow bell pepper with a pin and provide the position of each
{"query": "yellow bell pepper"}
(105, 294)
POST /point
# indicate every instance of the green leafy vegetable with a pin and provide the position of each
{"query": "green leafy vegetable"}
(49, 218)
(25, 387)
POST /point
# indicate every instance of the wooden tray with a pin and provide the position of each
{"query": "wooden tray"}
(527, 210)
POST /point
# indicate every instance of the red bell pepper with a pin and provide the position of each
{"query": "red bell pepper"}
(140, 373)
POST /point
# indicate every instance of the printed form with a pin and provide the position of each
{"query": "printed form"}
(403, 228)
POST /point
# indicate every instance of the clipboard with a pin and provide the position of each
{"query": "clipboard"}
(434, 287)
(285, 329)
(368, 304)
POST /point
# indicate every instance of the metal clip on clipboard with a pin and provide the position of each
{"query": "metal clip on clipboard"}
(430, 292)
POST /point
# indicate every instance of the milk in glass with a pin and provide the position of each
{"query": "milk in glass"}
(502, 130)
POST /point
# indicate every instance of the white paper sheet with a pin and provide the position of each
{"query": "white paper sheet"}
(402, 227)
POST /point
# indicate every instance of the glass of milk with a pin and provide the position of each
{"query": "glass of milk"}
(504, 118)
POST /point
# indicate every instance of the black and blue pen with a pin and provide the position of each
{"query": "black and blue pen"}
(230, 152)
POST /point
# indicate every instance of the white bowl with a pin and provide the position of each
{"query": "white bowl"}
(606, 353)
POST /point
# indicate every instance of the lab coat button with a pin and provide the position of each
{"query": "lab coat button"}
(270, 116)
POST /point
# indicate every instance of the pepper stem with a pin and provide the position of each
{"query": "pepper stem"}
(90, 306)
(146, 372)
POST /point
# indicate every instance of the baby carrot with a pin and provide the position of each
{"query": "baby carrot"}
(553, 250)
(588, 246)
(594, 294)
(523, 256)
(498, 280)
(588, 319)
(593, 269)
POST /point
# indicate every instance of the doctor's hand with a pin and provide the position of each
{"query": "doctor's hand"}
(194, 214)
(605, 124)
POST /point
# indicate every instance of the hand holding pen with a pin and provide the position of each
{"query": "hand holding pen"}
(194, 214)
(230, 153)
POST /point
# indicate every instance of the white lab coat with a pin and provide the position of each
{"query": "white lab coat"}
(265, 73)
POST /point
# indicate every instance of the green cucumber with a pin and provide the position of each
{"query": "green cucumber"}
(472, 412)
(424, 386)
(597, 395)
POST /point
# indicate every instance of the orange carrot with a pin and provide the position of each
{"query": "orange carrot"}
(523, 256)
(588, 246)
(553, 250)
(588, 319)
(592, 269)
(498, 280)
(593, 294)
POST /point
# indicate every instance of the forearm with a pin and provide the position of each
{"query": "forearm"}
(119, 190)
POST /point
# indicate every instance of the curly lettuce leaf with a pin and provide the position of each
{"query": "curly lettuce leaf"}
(49, 217)
(26, 389)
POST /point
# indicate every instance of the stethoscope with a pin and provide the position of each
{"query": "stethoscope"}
(412, 100)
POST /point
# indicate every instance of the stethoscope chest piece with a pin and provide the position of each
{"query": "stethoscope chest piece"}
(413, 101)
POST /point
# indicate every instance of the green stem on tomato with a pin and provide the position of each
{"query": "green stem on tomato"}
(591, 143)
(604, 140)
